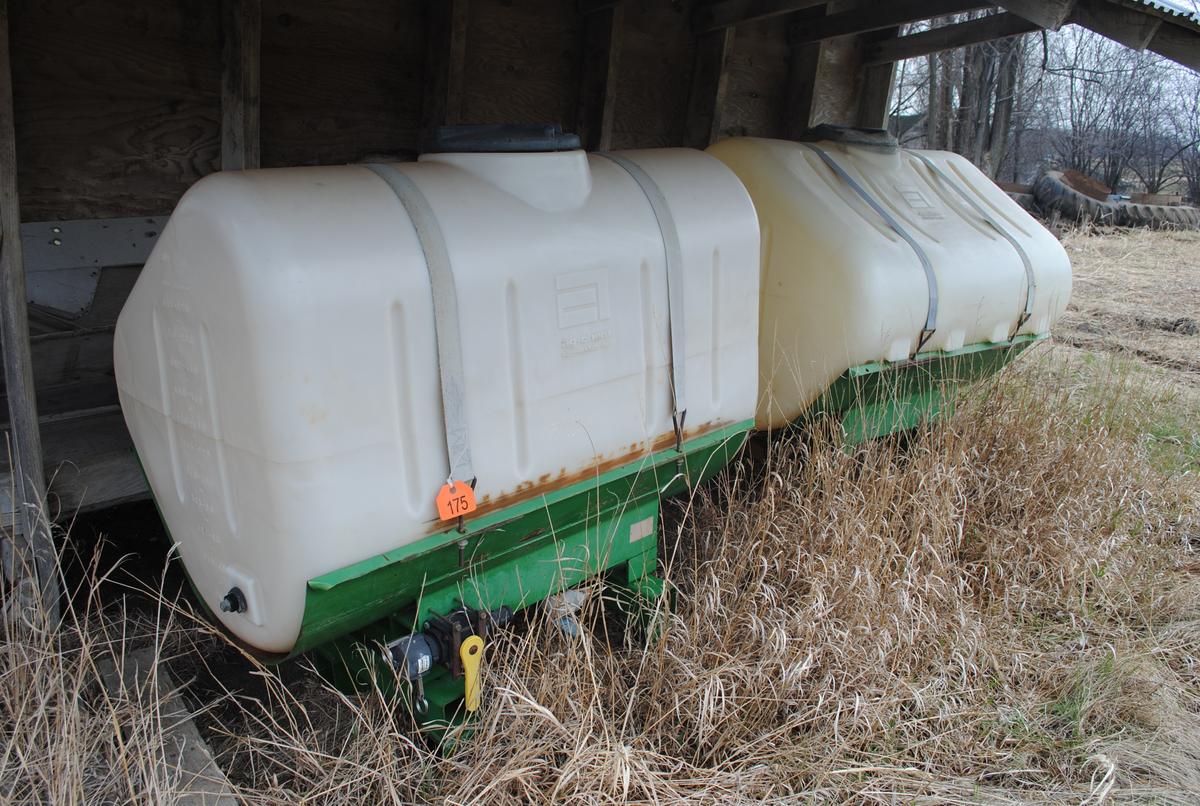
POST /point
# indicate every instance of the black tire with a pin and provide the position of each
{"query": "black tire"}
(1158, 216)
(1052, 193)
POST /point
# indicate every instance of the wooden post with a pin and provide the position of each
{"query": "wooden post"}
(33, 560)
(445, 64)
(710, 80)
(804, 60)
(598, 76)
(875, 89)
(241, 25)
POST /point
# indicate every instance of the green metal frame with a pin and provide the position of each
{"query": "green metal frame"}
(885, 397)
(516, 557)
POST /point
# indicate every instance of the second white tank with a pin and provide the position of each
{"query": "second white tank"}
(871, 253)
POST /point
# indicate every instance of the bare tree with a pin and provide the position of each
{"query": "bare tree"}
(1185, 122)
(1068, 99)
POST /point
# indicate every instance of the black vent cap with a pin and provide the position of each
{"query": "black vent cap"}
(851, 135)
(500, 138)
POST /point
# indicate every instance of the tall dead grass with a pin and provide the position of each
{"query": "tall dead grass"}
(1002, 607)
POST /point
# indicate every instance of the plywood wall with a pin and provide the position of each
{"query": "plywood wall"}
(340, 80)
(118, 101)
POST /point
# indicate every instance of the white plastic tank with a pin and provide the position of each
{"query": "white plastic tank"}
(858, 237)
(278, 370)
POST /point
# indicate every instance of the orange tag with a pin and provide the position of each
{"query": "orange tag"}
(455, 500)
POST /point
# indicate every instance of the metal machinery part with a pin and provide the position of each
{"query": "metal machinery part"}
(413, 608)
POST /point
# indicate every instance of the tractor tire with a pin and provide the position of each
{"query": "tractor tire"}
(1053, 194)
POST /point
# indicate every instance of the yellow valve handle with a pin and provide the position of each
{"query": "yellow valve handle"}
(471, 653)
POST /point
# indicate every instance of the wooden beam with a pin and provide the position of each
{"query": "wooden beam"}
(30, 562)
(727, 13)
(948, 37)
(875, 88)
(1177, 44)
(445, 65)
(710, 81)
(877, 18)
(1046, 13)
(1132, 28)
(241, 28)
(803, 63)
(598, 76)
(586, 7)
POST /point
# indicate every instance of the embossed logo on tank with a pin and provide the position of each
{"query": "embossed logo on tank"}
(918, 202)
(582, 300)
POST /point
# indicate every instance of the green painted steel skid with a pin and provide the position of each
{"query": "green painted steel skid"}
(516, 557)
(885, 397)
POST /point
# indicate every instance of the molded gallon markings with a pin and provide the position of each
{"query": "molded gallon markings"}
(516, 379)
(905, 214)
(403, 405)
(165, 393)
(954, 202)
(915, 199)
(210, 386)
(714, 348)
(581, 299)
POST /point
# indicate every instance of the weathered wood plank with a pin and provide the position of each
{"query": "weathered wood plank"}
(726, 13)
(803, 62)
(876, 18)
(875, 94)
(839, 65)
(756, 98)
(1177, 44)
(657, 41)
(341, 82)
(240, 64)
(948, 37)
(118, 104)
(522, 62)
(445, 65)
(89, 460)
(193, 777)
(710, 82)
(1132, 28)
(1046, 13)
(31, 557)
(601, 57)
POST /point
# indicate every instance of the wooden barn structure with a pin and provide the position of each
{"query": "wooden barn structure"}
(111, 109)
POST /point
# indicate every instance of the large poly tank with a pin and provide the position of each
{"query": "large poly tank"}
(876, 257)
(279, 372)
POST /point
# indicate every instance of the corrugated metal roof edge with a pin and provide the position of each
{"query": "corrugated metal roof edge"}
(1176, 11)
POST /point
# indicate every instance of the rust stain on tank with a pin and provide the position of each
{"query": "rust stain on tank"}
(600, 464)
(564, 478)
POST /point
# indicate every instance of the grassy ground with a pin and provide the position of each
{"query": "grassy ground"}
(1003, 608)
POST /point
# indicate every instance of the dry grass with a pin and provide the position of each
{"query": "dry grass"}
(1003, 608)
(1138, 291)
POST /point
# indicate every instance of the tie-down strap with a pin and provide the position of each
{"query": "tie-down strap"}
(447, 334)
(1030, 277)
(930, 279)
(674, 261)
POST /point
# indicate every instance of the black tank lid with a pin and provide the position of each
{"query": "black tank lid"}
(501, 138)
(851, 135)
